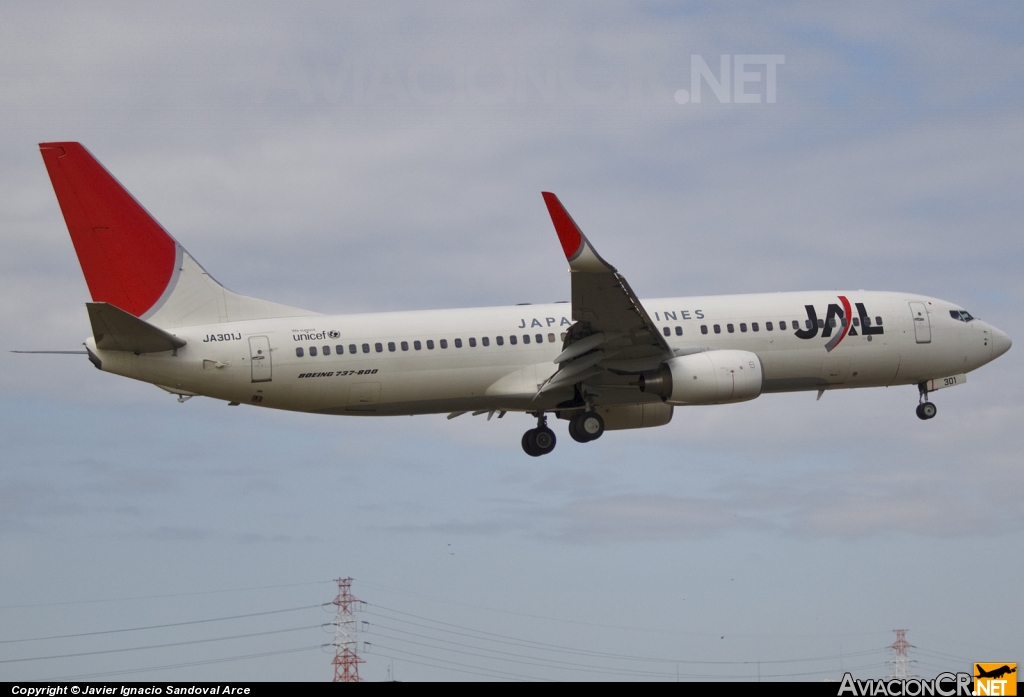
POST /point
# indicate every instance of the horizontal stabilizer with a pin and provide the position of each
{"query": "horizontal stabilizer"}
(116, 330)
(75, 353)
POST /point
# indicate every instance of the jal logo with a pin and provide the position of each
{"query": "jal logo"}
(838, 317)
(995, 679)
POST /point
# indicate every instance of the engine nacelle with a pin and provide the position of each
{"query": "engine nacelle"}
(622, 416)
(712, 377)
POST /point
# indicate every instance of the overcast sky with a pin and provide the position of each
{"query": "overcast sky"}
(388, 156)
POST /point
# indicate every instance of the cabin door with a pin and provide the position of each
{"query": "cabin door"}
(259, 355)
(922, 325)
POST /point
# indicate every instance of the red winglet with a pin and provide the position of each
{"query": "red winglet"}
(568, 232)
(127, 258)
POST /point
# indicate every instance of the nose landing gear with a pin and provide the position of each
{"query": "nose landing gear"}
(925, 409)
(541, 440)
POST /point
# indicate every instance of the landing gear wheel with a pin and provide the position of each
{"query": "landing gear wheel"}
(539, 441)
(926, 410)
(544, 440)
(574, 432)
(528, 444)
(586, 427)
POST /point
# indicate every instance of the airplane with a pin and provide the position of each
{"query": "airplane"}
(995, 673)
(603, 361)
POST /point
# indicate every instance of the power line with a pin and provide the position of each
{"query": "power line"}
(596, 624)
(190, 664)
(651, 674)
(601, 654)
(586, 668)
(548, 663)
(160, 646)
(515, 676)
(166, 595)
(160, 626)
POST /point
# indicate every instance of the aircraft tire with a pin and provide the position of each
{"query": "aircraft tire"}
(590, 425)
(574, 431)
(926, 410)
(544, 440)
(529, 444)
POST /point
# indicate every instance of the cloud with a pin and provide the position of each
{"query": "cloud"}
(643, 517)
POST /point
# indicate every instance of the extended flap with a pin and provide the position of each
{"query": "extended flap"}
(116, 330)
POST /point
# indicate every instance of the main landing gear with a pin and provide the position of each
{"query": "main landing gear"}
(541, 440)
(586, 426)
(925, 409)
(583, 428)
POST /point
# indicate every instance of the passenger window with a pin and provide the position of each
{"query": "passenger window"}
(718, 329)
(312, 350)
(703, 329)
(821, 324)
(539, 338)
(526, 338)
(366, 348)
(666, 331)
(768, 327)
(443, 343)
(562, 337)
(327, 350)
(485, 341)
(352, 348)
(753, 326)
(730, 328)
(379, 347)
(405, 345)
(551, 338)
(417, 345)
(878, 321)
(679, 331)
(500, 340)
(299, 352)
(743, 326)
(339, 349)
(458, 343)
(391, 346)
(472, 342)
(832, 322)
(430, 344)
(856, 321)
(512, 339)
(782, 325)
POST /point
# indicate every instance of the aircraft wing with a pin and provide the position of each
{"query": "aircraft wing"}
(611, 329)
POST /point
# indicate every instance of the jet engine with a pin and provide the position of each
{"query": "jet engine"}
(712, 377)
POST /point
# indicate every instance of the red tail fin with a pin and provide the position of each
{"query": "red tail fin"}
(127, 258)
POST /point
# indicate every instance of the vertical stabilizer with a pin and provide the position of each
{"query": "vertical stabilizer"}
(129, 260)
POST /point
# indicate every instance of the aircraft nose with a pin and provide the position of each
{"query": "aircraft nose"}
(1001, 342)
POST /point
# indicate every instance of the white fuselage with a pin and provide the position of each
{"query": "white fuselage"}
(474, 365)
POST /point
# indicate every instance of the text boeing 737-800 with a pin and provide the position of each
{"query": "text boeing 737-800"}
(606, 361)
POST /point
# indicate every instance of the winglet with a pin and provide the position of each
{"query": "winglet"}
(577, 248)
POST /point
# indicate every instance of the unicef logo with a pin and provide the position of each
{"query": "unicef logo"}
(334, 334)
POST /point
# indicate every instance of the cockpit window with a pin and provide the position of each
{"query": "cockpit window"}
(962, 315)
